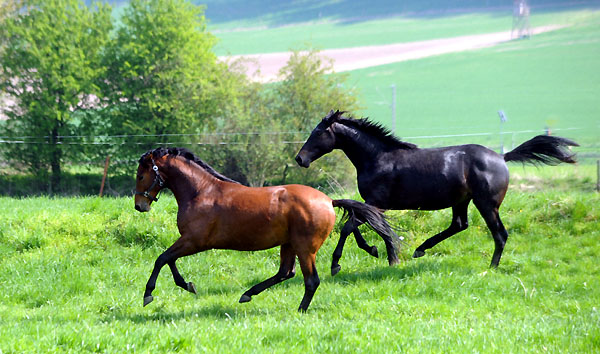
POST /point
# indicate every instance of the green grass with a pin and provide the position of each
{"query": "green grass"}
(73, 270)
(550, 80)
(339, 34)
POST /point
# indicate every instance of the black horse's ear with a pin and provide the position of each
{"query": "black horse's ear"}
(328, 116)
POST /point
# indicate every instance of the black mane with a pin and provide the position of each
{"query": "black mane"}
(372, 128)
(183, 152)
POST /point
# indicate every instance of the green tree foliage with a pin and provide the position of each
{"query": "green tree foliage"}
(49, 63)
(155, 81)
(276, 119)
(308, 92)
(163, 76)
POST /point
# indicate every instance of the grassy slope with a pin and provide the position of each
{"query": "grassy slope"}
(72, 273)
(550, 80)
(372, 32)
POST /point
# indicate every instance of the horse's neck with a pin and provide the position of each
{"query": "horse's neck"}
(361, 148)
(187, 181)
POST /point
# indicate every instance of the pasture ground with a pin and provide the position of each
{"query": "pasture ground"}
(548, 81)
(73, 270)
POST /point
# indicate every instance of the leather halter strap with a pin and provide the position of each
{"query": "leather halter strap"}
(157, 180)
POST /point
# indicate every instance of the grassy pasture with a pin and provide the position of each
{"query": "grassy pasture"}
(73, 270)
(374, 31)
(551, 80)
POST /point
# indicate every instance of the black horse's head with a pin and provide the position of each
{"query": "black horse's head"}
(149, 181)
(320, 142)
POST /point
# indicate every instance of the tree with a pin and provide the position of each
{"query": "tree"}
(308, 91)
(49, 63)
(164, 78)
(276, 118)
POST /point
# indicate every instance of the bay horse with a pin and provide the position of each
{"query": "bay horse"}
(393, 174)
(215, 212)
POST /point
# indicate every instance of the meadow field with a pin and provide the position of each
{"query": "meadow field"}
(549, 81)
(73, 271)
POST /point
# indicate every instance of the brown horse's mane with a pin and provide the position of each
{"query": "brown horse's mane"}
(187, 154)
(365, 125)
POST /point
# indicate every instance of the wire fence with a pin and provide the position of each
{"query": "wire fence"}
(88, 162)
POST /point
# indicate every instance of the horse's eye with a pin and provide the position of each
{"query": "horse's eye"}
(140, 178)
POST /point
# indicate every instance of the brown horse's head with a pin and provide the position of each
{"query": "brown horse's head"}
(149, 180)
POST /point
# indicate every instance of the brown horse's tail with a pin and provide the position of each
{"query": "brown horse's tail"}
(372, 216)
(550, 150)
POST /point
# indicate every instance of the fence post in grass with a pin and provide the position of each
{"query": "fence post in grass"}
(598, 176)
(104, 175)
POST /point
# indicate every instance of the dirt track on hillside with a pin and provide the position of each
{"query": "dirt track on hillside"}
(347, 59)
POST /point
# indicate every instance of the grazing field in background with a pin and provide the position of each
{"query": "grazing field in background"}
(550, 80)
(338, 33)
(73, 271)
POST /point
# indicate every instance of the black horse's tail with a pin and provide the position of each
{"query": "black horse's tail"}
(373, 217)
(550, 150)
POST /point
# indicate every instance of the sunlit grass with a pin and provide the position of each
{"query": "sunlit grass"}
(73, 270)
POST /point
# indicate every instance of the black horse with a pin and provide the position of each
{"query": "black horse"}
(393, 174)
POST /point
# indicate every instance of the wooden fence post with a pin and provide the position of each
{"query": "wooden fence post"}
(104, 175)
(598, 177)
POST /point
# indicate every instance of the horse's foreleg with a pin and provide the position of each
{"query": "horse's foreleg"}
(287, 270)
(179, 281)
(180, 248)
(348, 227)
(362, 243)
(459, 223)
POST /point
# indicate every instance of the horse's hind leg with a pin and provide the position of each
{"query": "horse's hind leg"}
(287, 270)
(311, 279)
(459, 223)
(179, 249)
(492, 218)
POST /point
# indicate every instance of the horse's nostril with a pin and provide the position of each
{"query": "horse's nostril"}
(138, 208)
(299, 160)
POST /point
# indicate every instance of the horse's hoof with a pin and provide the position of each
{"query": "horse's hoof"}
(335, 269)
(147, 300)
(191, 288)
(245, 298)
(374, 252)
(418, 254)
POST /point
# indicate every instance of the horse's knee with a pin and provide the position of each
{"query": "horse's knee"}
(162, 260)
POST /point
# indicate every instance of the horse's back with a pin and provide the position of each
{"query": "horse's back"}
(434, 178)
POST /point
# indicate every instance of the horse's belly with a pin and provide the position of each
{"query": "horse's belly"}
(419, 196)
(252, 235)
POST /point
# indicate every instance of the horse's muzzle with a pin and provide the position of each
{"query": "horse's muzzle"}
(302, 162)
(142, 207)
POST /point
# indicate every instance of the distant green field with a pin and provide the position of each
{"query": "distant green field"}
(336, 34)
(73, 270)
(551, 80)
